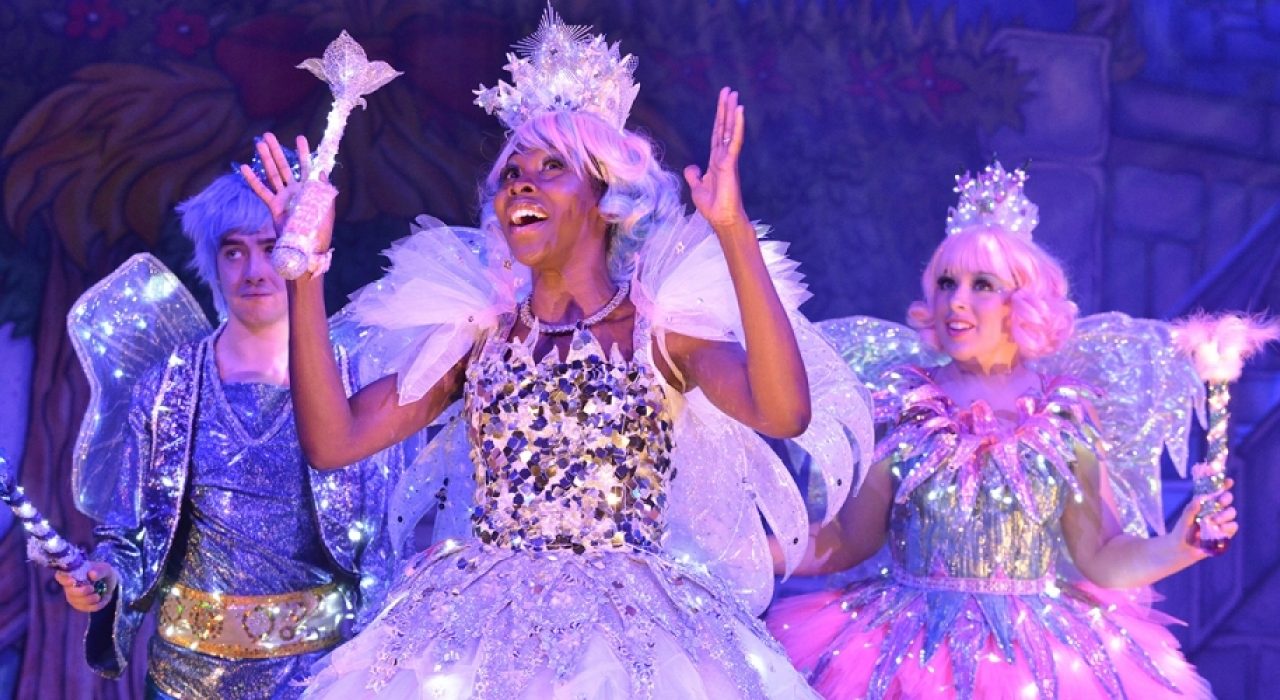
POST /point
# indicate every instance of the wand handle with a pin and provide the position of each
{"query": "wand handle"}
(44, 545)
(1210, 476)
(293, 253)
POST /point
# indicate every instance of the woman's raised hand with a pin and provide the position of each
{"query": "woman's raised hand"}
(717, 193)
(281, 187)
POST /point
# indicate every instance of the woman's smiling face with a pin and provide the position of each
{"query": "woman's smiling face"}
(546, 209)
(971, 316)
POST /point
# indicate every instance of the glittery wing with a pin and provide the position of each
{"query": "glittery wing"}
(1148, 396)
(438, 481)
(446, 287)
(732, 477)
(722, 471)
(122, 326)
(872, 347)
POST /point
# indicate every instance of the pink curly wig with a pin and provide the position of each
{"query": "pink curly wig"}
(1042, 317)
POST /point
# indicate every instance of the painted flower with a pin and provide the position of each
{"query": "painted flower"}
(182, 32)
(930, 84)
(92, 18)
(864, 82)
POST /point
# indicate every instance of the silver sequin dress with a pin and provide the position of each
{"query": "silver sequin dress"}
(974, 602)
(565, 591)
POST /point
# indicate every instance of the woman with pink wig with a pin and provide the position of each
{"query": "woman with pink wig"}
(1012, 510)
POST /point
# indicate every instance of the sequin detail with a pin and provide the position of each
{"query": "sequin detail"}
(570, 455)
(573, 468)
(142, 543)
(977, 498)
(974, 541)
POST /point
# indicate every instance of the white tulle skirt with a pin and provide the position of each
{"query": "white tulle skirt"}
(474, 621)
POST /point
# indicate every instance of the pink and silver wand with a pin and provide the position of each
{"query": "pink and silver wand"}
(350, 75)
(1218, 347)
(44, 545)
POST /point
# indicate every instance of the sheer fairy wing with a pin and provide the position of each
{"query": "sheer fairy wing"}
(874, 349)
(724, 472)
(1148, 395)
(127, 323)
(439, 481)
(446, 287)
(732, 476)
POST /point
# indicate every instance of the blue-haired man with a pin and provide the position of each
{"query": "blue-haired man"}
(254, 564)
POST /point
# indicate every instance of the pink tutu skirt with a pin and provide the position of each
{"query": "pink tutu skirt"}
(885, 639)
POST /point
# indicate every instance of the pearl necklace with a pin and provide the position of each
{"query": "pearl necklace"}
(528, 319)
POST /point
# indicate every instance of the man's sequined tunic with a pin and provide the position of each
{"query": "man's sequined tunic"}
(218, 497)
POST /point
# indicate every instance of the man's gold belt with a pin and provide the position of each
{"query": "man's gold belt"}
(253, 626)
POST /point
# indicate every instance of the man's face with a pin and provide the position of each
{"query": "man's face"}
(254, 293)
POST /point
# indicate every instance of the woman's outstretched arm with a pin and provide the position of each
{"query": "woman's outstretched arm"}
(857, 533)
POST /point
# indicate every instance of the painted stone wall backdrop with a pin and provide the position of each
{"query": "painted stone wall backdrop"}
(1194, 180)
(1064, 141)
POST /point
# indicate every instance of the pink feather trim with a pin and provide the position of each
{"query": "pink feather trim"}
(1219, 345)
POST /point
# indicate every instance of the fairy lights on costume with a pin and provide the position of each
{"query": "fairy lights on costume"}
(163, 435)
(563, 68)
(993, 199)
(976, 519)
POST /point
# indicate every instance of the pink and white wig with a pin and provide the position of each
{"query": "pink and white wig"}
(1041, 315)
(637, 192)
(225, 206)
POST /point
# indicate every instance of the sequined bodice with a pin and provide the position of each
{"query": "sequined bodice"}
(570, 453)
(977, 498)
(931, 534)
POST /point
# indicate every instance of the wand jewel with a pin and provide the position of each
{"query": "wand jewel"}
(44, 545)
